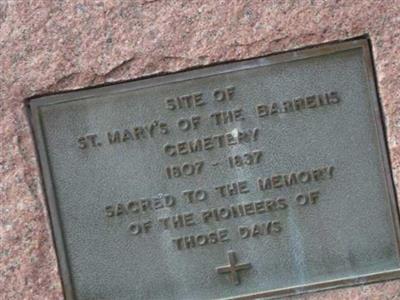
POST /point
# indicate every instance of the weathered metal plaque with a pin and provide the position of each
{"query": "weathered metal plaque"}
(260, 178)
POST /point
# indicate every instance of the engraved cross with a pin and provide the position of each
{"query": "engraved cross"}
(233, 268)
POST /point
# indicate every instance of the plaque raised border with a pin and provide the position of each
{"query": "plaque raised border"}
(35, 103)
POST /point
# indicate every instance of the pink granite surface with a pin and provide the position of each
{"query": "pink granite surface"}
(53, 45)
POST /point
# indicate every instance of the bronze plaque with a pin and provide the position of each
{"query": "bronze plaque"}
(266, 177)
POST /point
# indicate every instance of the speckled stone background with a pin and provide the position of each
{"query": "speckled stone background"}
(54, 45)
